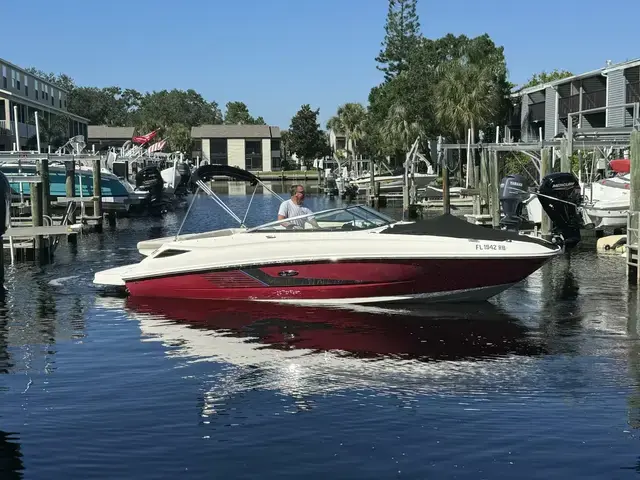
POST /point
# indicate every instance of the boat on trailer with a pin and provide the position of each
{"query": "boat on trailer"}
(347, 255)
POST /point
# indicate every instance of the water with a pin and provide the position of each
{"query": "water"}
(542, 382)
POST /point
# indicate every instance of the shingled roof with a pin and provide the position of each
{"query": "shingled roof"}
(103, 132)
(235, 131)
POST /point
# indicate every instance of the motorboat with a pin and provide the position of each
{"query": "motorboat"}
(607, 200)
(352, 254)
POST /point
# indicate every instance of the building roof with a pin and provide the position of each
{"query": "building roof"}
(105, 132)
(41, 106)
(235, 131)
(598, 71)
(37, 77)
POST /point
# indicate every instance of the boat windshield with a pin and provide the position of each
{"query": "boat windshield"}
(354, 217)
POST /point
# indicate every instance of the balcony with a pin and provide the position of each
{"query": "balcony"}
(595, 99)
(536, 112)
(25, 130)
(568, 105)
(633, 92)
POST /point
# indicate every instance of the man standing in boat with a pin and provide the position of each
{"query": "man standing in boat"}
(294, 207)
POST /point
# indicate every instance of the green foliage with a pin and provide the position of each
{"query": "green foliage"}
(544, 77)
(402, 32)
(305, 138)
(238, 114)
(172, 112)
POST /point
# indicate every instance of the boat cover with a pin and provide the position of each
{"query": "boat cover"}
(448, 225)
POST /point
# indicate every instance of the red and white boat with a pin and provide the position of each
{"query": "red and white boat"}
(355, 254)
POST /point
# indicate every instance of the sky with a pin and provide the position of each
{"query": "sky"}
(276, 55)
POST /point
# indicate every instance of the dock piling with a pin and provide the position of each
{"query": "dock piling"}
(70, 187)
(545, 169)
(36, 194)
(633, 216)
(494, 189)
(97, 194)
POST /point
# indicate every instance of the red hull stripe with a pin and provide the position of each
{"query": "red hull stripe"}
(340, 279)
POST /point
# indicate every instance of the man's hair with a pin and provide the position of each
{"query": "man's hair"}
(294, 189)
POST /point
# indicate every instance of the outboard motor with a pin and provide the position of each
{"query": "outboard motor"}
(560, 196)
(150, 179)
(182, 178)
(514, 192)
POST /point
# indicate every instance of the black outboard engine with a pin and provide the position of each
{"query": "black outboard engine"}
(560, 196)
(5, 208)
(150, 179)
(182, 179)
(514, 191)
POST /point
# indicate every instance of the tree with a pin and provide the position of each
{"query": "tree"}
(402, 33)
(238, 114)
(163, 109)
(350, 120)
(467, 96)
(305, 138)
(544, 77)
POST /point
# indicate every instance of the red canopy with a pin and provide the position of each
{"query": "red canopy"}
(620, 165)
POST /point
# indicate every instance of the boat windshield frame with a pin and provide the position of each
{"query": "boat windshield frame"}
(364, 213)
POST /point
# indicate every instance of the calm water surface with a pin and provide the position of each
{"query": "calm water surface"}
(542, 382)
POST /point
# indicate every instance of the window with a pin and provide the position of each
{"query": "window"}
(218, 151)
(26, 85)
(276, 163)
(13, 79)
(60, 98)
(275, 145)
(253, 154)
(357, 217)
(35, 87)
(4, 76)
(53, 97)
(18, 80)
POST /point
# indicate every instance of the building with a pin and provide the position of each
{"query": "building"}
(103, 137)
(31, 94)
(338, 142)
(545, 108)
(250, 147)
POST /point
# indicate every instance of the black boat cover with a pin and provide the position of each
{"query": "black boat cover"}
(448, 225)
(207, 172)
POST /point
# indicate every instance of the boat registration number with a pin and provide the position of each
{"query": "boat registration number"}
(491, 246)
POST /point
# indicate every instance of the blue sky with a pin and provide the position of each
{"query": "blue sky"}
(279, 54)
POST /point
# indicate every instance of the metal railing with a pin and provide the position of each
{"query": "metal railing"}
(25, 130)
(595, 99)
(633, 92)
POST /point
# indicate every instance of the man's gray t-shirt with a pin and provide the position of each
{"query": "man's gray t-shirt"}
(289, 209)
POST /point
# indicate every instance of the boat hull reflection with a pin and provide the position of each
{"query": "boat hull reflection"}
(443, 333)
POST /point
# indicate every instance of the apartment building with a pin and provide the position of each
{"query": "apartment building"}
(30, 94)
(250, 147)
(544, 109)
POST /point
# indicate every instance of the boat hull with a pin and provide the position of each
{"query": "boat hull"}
(424, 280)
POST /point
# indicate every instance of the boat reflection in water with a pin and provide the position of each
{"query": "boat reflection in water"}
(302, 351)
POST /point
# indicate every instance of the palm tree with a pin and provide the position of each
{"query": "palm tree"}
(399, 130)
(466, 96)
(352, 117)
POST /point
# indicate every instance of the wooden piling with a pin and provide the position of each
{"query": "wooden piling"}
(70, 187)
(494, 189)
(483, 184)
(633, 259)
(446, 199)
(545, 169)
(97, 194)
(634, 174)
(46, 188)
(35, 198)
(565, 156)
